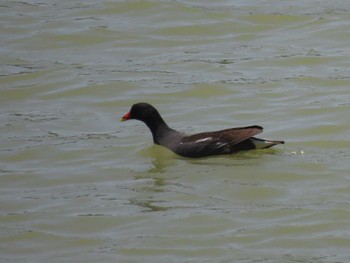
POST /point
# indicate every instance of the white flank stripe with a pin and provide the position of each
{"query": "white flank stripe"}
(205, 139)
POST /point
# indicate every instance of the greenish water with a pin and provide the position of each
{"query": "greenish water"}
(79, 186)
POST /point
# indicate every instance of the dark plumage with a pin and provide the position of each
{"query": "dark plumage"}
(226, 141)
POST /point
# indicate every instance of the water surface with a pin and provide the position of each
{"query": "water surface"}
(78, 186)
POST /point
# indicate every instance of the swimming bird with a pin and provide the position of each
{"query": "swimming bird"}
(227, 141)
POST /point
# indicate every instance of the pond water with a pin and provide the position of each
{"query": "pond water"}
(77, 185)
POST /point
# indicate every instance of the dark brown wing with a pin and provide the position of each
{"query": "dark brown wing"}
(231, 136)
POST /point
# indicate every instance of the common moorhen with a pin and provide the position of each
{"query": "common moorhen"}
(226, 141)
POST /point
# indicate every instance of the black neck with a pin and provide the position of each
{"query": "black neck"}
(157, 126)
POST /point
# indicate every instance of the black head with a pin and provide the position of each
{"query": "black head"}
(141, 111)
(149, 115)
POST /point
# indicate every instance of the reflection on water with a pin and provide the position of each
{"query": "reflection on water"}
(149, 205)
